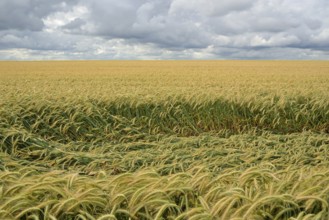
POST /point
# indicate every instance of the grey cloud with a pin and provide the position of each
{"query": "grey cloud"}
(165, 29)
(212, 8)
(194, 24)
(28, 14)
(19, 15)
(113, 18)
(74, 25)
(148, 21)
(313, 24)
(36, 40)
(227, 6)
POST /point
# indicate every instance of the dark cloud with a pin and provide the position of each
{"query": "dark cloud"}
(164, 29)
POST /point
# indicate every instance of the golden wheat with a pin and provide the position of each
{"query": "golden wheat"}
(164, 140)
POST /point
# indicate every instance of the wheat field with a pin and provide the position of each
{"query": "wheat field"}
(135, 140)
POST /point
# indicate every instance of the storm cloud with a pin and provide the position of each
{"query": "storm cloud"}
(164, 29)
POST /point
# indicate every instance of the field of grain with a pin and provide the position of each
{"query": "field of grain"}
(164, 140)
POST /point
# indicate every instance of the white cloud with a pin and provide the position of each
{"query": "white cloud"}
(59, 19)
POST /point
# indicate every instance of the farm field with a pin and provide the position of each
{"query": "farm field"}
(164, 140)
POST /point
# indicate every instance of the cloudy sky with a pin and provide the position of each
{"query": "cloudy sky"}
(164, 29)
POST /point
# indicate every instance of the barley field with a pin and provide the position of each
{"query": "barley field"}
(240, 140)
